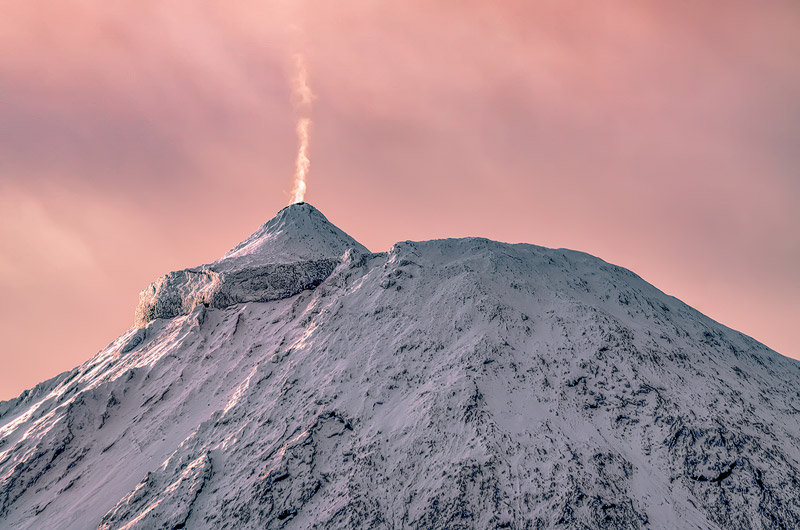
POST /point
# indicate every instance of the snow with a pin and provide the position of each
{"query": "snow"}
(294, 251)
(458, 383)
(298, 233)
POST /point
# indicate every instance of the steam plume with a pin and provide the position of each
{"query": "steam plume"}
(302, 98)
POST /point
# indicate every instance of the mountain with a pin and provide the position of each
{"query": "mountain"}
(298, 233)
(304, 382)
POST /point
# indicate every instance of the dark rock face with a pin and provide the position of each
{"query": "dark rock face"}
(178, 293)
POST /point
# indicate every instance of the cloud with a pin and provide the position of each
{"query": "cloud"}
(34, 247)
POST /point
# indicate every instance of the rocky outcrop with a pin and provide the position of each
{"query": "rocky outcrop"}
(178, 293)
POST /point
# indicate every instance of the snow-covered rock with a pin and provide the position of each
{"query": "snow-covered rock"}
(458, 383)
(294, 251)
(299, 232)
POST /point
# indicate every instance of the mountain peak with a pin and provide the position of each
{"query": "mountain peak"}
(294, 251)
(298, 232)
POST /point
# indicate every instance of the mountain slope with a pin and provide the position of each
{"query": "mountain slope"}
(444, 384)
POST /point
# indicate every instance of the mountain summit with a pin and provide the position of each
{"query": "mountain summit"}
(294, 251)
(298, 233)
(304, 382)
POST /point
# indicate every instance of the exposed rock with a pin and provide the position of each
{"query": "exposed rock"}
(178, 293)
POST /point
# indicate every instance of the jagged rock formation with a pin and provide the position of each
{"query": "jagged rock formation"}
(179, 292)
(444, 384)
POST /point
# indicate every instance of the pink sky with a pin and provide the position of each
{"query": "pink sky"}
(142, 137)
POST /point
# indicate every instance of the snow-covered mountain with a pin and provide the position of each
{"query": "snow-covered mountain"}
(304, 382)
